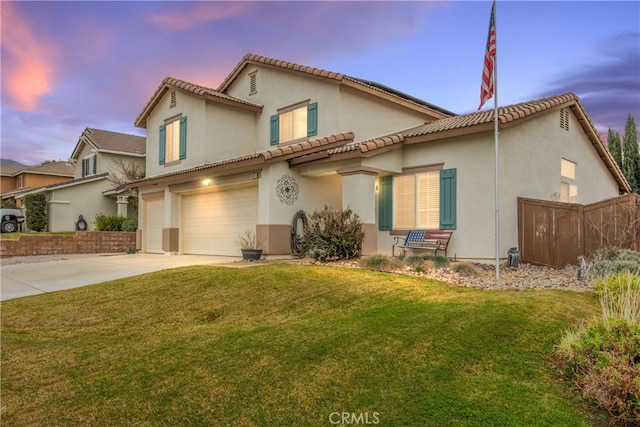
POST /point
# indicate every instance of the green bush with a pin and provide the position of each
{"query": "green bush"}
(36, 215)
(380, 263)
(332, 234)
(609, 261)
(109, 222)
(130, 224)
(602, 358)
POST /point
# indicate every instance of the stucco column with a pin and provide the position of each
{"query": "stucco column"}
(171, 230)
(122, 204)
(359, 194)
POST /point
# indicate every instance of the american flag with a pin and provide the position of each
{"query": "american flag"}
(486, 89)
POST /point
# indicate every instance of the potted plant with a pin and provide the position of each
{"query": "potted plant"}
(249, 245)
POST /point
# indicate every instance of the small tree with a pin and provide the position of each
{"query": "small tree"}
(126, 172)
(631, 155)
(36, 216)
(615, 146)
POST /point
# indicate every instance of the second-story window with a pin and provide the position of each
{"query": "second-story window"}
(568, 184)
(296, 122)
(173, 140)
(89, 166)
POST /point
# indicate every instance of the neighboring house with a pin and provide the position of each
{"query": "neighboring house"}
(7, 180)
(98, 160)
(278, 137)
(27, 179)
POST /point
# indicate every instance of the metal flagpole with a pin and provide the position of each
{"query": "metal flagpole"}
(497, 133)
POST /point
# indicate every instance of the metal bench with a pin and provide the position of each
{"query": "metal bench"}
(435, 240)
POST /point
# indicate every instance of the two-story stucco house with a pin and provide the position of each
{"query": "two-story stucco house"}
(99, 160)
(17, 181)
(277, 137)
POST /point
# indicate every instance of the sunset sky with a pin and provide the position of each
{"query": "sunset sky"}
(66, 66)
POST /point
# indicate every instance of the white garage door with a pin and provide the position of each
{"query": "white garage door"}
(212, 222)
(153, 224)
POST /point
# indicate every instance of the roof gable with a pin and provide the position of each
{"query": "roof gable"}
(375, 89)
(112, 142)
(170, 83)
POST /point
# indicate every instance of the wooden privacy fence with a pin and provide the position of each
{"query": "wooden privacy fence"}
(557, 234)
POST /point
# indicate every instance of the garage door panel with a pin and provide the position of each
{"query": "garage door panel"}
(212, 222)
(153, 224)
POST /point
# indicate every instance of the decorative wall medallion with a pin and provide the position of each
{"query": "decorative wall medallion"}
(287, 189)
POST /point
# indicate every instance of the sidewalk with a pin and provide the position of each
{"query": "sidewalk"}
(21, 279)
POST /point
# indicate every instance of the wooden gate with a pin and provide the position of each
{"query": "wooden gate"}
(549, 233)
(557, 234)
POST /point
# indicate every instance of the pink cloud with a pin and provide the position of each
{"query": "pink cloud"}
(27, 62)
(202, 12)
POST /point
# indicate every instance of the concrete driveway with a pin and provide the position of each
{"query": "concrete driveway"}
(70, 271)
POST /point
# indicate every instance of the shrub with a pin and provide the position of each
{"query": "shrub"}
(465, 269)
(380, 263)
(332, 234)
(609, 261)
(416, 261)
(422, 263)
(620, 297)
(36, 215)
(130, 224)
(109, 222)
(603, 357)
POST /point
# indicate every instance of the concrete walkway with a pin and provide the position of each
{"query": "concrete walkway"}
(70, 271)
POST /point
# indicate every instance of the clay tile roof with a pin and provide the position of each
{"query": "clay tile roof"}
(369, 145)
(277, 63)
(373, 87)
(506, 115)
(201, 91)
(116, 141)
(308, 145)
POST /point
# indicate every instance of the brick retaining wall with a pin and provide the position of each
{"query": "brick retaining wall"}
(83, 242)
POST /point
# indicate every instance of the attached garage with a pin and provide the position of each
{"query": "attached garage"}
(211, 222)
(153, 224)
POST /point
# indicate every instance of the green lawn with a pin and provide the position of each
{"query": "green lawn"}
(286, 345)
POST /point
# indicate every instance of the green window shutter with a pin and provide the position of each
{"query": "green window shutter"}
(448, 199)
(163, 143)
(94, 160)
(312, 119)
(183, 137)
(385, 203)
(275, 129)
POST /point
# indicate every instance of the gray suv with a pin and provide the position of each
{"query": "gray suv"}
(10, 219)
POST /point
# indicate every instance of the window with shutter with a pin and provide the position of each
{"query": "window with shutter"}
(173, 140)
(425, 200)
(89, 165)
(294, 123)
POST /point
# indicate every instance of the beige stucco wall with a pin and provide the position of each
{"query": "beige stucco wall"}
(214, 132)
(66, 204)
(106, 162)
(340, 109)
(530, 157)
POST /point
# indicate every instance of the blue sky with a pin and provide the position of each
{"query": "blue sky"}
(66, 66)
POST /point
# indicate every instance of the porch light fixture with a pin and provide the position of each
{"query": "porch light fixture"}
(206, 182)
